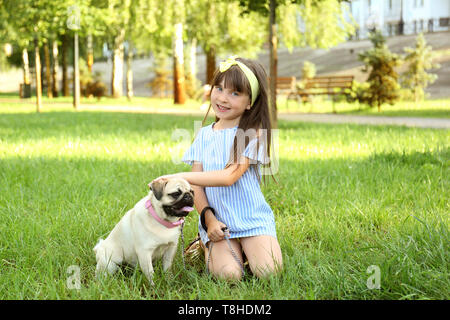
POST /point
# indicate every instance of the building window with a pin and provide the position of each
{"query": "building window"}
(419, 3)
(444, 22)
(390, 5)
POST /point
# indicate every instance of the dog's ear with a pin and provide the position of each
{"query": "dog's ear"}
(157, 187)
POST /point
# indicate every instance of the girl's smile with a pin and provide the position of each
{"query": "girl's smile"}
(222, 108)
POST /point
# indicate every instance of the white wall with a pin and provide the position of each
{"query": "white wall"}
(416, 14)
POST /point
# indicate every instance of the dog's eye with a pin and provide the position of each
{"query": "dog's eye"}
(175, 194)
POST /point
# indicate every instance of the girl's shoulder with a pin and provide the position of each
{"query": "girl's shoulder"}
(202, 130)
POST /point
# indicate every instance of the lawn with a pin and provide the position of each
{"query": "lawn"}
(348, 197)
(438, 108)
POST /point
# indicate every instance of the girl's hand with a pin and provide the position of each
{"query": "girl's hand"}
(167, 176)
(215, 232)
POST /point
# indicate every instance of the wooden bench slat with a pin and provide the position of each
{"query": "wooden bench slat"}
(320, 85)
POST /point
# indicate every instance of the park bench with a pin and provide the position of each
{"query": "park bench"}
(326, 85)
(323, 85)
(286, 86)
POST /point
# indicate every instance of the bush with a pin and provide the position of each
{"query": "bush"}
(383, 79)
(359, 92)
(90, 84)
(161, 85)
(308, 70)
(416, 78)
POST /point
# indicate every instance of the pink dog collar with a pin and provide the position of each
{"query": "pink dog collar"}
(165, 223)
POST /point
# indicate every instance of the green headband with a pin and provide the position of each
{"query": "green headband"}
(254, 84)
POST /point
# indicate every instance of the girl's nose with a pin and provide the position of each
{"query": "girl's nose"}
(222, 96)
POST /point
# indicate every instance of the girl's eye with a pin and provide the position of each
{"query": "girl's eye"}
(219, 88)
(235, 93)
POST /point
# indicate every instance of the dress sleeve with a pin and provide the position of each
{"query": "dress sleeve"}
(194, 153)
(256, 156)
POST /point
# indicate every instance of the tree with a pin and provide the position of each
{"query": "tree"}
(220, 27)
(29, 27)
(314, 23)
(162, 28)
(383, 79)
(419, 60)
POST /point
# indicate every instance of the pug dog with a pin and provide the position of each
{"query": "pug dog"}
(149, 231)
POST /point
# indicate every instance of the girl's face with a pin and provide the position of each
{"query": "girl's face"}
(229, 104)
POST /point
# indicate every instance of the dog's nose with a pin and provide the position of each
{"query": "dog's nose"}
(187, 197)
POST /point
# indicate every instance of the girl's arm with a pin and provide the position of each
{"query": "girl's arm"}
(219, 178)
(215, 232)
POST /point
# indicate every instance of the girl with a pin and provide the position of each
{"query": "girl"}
(226, 158)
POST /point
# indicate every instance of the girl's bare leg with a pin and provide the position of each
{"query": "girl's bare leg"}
(222, 263)
(263, 254)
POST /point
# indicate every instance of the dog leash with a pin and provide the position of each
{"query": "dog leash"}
(182, 246)
(233, 253)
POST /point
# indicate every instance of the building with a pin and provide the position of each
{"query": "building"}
(397, 17)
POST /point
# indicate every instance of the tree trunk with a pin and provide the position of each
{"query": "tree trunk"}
(210, 64)
(273, 64)
(193, 61)
(130, 93)
(38, 76)
(90, 53)
(117, 72)
(55, 67)
(25, 88)
(26, 67)
(48, 78)
(76, 74)
(65, 78)
(179, 92)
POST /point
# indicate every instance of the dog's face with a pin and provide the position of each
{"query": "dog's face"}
(175, 196)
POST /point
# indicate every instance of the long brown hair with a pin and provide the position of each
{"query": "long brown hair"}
(256, 118)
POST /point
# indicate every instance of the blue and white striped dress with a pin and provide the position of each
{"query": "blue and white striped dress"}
(242, 206)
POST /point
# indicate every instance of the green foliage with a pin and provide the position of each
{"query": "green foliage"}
(383, 79)
(359, 92)
(322, 24)
(161, 85)
(221, 25)
(90, 84)
(308, 70)
(419, 60)
(153, 28)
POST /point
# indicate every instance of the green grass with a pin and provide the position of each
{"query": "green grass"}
(439, 108)
(348, 197)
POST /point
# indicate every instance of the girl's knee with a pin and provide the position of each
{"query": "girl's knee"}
(267, 269)
(228, 272)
